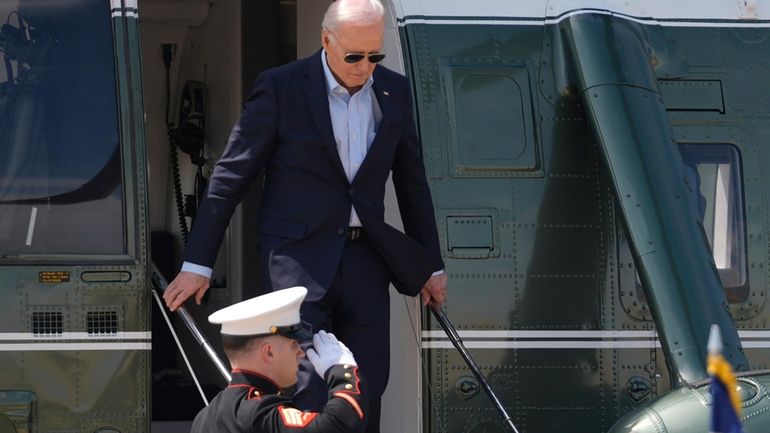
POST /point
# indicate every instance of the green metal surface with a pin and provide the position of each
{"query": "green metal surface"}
(18, 412)
(626, 111)
(550, 244)
(72, 311)
(689, 95)
(569, 254)
(688, 409)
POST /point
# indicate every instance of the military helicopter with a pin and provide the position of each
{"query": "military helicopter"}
(598, 171)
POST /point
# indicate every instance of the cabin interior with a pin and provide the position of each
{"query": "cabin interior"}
(217, 48)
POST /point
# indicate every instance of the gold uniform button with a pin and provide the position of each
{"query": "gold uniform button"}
(348, 375)
(348, 386)
(346, 366)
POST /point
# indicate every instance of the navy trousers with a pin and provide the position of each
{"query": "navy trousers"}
(356, 308)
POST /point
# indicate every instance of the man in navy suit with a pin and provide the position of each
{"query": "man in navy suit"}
(328, 130)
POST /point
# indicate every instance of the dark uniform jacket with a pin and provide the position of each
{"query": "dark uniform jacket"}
(254, 403)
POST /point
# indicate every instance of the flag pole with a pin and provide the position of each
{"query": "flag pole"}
(726, 403)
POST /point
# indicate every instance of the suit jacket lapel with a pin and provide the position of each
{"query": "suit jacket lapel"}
(318, 101)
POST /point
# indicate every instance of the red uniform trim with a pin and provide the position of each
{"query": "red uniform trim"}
(294, 418)
(352, 402)
(347, 395)
(357, 388)
(253, 394)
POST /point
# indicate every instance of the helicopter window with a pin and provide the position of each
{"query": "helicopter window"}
(491, 126)
(715, 172)
(60, 156)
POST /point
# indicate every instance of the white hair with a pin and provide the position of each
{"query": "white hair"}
(353, 11)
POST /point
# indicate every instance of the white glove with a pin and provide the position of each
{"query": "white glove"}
(328, 351)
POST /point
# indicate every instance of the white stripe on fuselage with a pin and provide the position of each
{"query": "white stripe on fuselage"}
(549, 344)
(680, 10)
(51, 347)
(22, 336)
(72, 341)
(124, 8)
(127, 4)
(525, 339)
(522, 21)
(543, 334)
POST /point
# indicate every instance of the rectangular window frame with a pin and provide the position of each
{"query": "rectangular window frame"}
(125, 42)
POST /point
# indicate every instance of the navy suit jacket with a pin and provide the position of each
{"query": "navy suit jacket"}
(285, 129)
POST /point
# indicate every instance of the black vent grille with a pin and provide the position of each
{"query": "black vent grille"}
(47, 323)
(102, 322)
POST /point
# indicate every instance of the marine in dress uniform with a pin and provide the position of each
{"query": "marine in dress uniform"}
(255, 401)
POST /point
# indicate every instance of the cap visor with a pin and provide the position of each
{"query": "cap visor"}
(301, 335)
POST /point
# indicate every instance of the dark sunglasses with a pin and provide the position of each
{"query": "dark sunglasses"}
(355, 58)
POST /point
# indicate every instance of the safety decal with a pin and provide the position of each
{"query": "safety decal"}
(54, 277)
(295, 418)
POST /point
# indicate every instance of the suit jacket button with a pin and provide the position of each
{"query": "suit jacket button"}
(340, 231)
(350, 192)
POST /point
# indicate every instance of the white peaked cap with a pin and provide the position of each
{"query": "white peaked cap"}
(266, 314)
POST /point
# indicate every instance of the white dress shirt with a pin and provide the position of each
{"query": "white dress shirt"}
(355, 121)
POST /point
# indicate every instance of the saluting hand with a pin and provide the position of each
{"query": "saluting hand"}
(327, 351)
(185, 285)
(434, 290)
